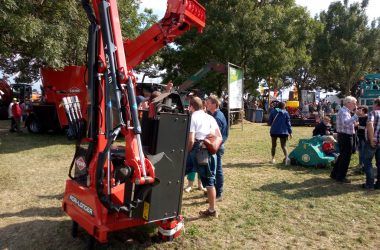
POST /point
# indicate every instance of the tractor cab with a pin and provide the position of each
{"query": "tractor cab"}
(21, 91)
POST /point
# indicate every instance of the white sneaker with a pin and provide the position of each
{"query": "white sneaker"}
(188, 189)
(273, 161)
(287, 162)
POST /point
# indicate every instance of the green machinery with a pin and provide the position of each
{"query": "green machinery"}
(369, 89)
(192, 80)
(309, 153)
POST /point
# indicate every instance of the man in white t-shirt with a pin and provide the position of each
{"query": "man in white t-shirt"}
(202, 125)
(10, 115)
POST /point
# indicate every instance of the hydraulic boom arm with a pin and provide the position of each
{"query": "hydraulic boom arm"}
(180, 16)
(192, 80)
(111, 84)
(116, 186)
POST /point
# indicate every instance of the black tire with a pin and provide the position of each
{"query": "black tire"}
(34, 125)
(91, 242)
(74, 229)
(293, 161)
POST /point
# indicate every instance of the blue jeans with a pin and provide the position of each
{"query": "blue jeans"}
(219, 171)
(205, 172)
(369, 153)
(361, 149)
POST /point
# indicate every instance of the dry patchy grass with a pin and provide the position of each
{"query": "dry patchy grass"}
(264, 207)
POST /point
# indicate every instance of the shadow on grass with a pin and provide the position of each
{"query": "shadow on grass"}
(197, 196)
(311, 188)
(245, 165)
(52, 197)
(36, 211)
(195, 218)
(305, 169)
(33, 234)
(55, 234)
(14, 142)
(196, 203)
(295, 168)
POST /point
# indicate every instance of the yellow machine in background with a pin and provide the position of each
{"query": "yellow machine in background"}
(293, 104)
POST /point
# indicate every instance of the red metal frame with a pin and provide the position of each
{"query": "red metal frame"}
(6, 96)
(62, 83)
(81, 203)
(179, 17)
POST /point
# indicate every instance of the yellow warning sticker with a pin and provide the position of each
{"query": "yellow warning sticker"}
(146, 210)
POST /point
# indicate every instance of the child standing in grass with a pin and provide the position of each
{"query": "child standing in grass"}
(190, 183)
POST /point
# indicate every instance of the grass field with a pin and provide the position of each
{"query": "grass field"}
(265, 206)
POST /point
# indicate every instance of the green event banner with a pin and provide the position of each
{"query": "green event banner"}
(235, 87)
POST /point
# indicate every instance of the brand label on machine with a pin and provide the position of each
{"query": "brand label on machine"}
(74, 90)
(81, 205)
(80, 163)
(305, 157)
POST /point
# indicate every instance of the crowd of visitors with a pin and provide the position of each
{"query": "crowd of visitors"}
(357, 129)
(207, 124)
(202, 126)
(207, 121)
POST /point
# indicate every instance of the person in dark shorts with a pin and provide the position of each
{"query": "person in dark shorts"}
(279, 120)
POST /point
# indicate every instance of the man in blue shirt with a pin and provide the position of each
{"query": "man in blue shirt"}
(212, 105)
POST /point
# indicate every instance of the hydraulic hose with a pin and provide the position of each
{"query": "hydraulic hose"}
(136, 122)
(133, 106)
(111, 84)
(99, 175)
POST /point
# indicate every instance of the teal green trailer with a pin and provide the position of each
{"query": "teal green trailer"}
(309, 153)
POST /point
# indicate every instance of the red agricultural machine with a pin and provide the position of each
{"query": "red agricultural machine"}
(46, 113)
(49, 113)
(10, 91)
(116, 187)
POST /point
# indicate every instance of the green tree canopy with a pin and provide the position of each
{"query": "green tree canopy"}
(53, 33)
(266, 38)
(346, 48)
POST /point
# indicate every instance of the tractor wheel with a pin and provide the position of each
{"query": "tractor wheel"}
(91, 242)
(74, 229)
(34, 125)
